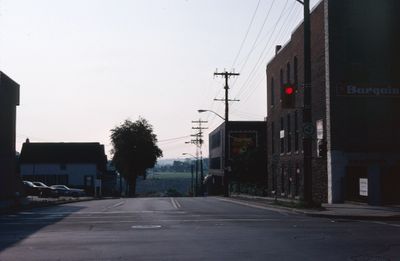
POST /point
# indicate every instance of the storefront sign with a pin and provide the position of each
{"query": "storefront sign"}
(241, 142)
(369, 90)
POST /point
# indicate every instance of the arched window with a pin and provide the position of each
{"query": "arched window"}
(281, 83)
(272, 89)
(295, 72)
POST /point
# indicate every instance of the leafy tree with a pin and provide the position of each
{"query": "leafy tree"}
(134, 150)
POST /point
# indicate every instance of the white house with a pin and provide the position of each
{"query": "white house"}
(78, 165)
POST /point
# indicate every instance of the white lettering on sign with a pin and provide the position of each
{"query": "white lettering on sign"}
(364, 187)
(386, 91)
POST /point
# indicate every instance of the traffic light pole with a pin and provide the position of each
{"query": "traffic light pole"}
(307, 112)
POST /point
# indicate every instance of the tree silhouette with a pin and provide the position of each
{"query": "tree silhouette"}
(134, 150)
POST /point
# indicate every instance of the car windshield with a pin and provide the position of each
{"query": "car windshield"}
(39, 184)
(60, 186)
(30, 184)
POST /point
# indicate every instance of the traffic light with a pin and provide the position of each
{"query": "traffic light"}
(288, 96)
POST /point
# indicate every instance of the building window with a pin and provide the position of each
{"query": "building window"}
(295, 71)
(272, 98)
(289, 180)
(282, 179)
(288, 73)
(215, 163)
(274, 174)
(272, 137)
(281, 83)
(296, 132)
(297, 180)
(289, 135)
(282, 137)
(216, 140)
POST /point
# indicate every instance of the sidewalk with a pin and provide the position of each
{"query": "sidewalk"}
(33, 202)
(355, 211)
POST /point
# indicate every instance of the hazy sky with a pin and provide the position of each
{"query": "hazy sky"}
(85, 66)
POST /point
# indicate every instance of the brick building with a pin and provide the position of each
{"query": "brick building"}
(355, 105)
(9, 99)
(245, 138)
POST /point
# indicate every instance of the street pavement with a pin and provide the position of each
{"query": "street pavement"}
(208, 228)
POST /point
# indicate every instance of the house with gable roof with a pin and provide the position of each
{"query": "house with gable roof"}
(78, 165)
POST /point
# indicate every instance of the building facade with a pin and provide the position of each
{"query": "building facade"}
(246, 145)
(9, 99)
(355, 102)
(79, 165)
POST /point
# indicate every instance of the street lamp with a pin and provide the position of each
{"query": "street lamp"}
(194, 190)
(226, 152)
(200, 111)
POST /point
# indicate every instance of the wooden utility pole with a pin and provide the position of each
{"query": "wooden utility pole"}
(226, 75)
(198, 141)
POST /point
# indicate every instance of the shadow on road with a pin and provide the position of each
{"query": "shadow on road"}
(17, 226)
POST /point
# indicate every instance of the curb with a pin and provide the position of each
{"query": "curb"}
(355, 217)
(317, 213)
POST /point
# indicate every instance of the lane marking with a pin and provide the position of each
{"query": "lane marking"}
(175, 203)
(282, 212)
(383, 223)
(146, 226)
(118, 204)
(141, 221)
(100, 212)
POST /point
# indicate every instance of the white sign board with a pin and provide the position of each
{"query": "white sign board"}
(363, 187)
(320, 129)
(282, 134)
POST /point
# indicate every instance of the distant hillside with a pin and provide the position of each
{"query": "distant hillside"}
(163, 162)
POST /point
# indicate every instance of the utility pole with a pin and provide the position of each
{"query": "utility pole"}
(226, 75)
(199, 142)
(307, 112)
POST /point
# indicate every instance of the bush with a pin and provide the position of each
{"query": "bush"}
(173, 193)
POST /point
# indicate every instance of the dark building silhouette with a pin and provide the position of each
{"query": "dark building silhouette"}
(355, 50)
(9, 99)
(246, 141)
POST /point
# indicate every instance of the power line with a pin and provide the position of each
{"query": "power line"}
(172, 139)
(262, 53)
(247, 33)
(284, 29)
(257, 37)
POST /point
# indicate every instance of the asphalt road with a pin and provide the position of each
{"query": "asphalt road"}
(189, 229)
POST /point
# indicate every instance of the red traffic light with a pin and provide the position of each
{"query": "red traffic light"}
(289, 90)
(288, 96)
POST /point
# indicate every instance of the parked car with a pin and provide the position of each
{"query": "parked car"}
(44, 190)
(69, 192)
(30, 189)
